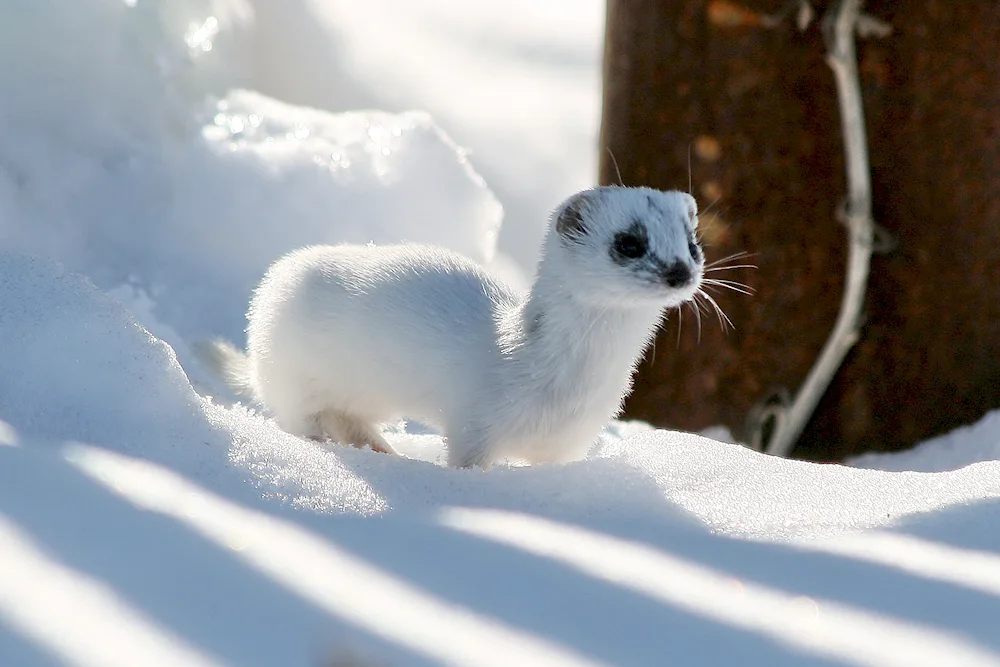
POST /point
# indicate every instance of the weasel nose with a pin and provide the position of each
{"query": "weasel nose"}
(676, 275)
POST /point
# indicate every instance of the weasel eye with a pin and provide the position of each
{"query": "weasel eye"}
(630, 245)
(693, 249)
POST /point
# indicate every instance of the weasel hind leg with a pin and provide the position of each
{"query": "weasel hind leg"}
(468, 448)
(349, 429)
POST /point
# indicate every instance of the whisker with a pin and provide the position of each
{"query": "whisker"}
(742, 288)
(714, 290)
(699, 300)
(700, 306)
(680, 324)
(615, 163)
(709, 207)
(719, 313)
(727, 268)
(742, 254)
(697, 317)
(689, 170)
(726, 281)
(696, 305)
(731, 258)
(703, 229)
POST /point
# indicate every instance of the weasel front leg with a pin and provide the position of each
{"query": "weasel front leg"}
(352, 430)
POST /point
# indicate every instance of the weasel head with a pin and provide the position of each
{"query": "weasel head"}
(626, 247)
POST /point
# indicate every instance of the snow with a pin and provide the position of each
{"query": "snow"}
(961, 447)
(516, 82)
(115, 132)
(145, 185)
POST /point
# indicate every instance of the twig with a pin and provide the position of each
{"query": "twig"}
(839, 23)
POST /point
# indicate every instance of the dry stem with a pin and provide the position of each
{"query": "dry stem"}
(839, 24)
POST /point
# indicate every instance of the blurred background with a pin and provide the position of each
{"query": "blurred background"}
(742, 92)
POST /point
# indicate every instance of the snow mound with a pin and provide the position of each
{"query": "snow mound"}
(97, 77)
(76, 365)
(280, 177)
(87, 371)
(143, 524)
(213, 538)
(517, 82)
(963, 446)
(130, 157)
(264, 178)
(737, 491)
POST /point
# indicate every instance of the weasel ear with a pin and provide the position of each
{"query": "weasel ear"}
(692, 210)
(570, 224)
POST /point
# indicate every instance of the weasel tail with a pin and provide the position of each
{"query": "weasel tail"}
(229, 364)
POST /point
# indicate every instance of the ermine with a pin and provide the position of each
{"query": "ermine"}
(343, 338)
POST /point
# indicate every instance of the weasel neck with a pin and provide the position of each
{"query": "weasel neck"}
(575, 348)
(565, 328)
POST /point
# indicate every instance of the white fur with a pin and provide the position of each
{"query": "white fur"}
(342, 338)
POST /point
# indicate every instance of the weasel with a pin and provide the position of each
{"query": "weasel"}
(342, 338)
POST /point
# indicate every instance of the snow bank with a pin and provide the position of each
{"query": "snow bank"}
(963, 446)
(127, 157)
(280, 177)
(518, 83)
(76, 365)
(85, 370)
(142, 524)
(213, 538)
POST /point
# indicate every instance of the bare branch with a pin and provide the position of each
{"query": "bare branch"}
(869, 26)
(804, 16)
(839, 24)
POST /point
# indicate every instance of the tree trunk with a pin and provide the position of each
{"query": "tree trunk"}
(751, 102)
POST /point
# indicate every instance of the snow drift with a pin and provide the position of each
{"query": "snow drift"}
(144, 188)
(211, 525)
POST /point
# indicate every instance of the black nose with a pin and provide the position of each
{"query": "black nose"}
(676, 275)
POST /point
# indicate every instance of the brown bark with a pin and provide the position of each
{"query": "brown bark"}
(755, 105)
